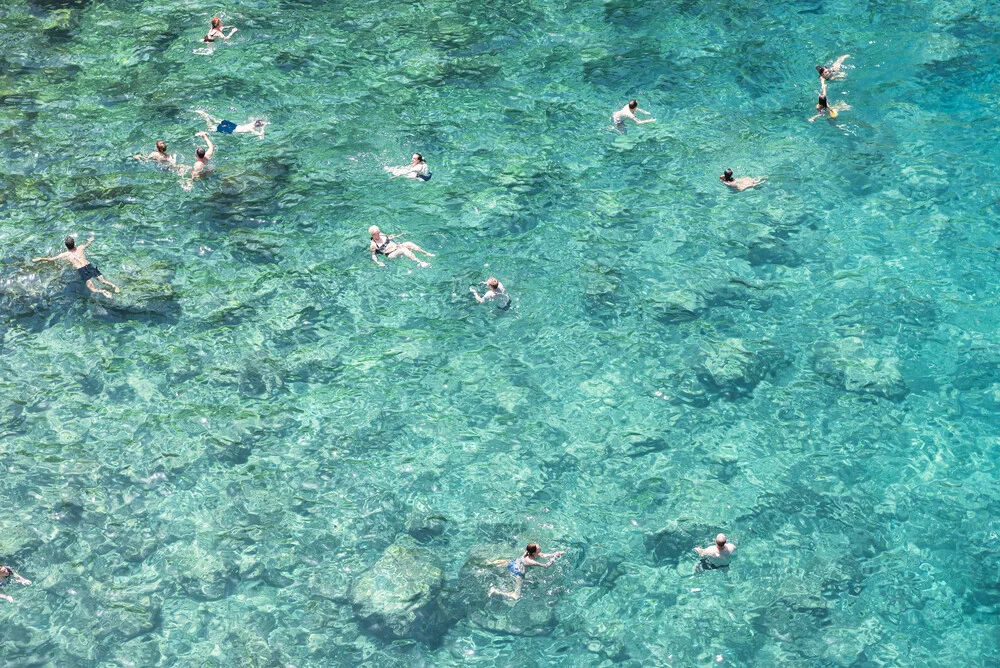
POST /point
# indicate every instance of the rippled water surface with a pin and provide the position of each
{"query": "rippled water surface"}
(269, 451)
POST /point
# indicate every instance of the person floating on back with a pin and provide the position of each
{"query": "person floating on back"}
(834, 71)
(417, 169)
(202, 155)
(216, 30)
(628, 111)
(823, 108)
(78, 258)
(518, 565)
(160, 154)
(715, 556)
(6, 573)
(741, 183)
(495, 291)
(382, 244)
(254, 126)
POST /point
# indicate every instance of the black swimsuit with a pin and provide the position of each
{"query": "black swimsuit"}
(87, 272)
(385, 244)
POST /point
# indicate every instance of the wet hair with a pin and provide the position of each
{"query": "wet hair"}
(821, 70)
(258, 123)
(821, 103)
(632, 104)
(419, 157)
(532, 549)
(216, 23)
(161, 146)
(727, 175)
(200, 152)
(492, 283)
(70, 243)
(5, 572)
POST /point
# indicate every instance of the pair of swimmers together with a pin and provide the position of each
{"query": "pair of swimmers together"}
(829, 73)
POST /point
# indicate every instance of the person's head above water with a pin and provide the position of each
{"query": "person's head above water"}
(821, 70)
(70, 243)
(632, 105)
(720, 541)
(161, 146)
(821, 103)
(727, 175)
(532, 549)
(200, 152)
(258, 123)
(373, 230)
(492, 283)
(417, 158)
(216, 23)
(5, 571)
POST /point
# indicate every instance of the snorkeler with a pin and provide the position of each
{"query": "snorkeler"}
(202, 155)
(255, 126)
(715, 556)
(417, 169)
(517, 566)
(160, 154)
(741, 183)
(823, 108)
(628, 111)
(495, 290)
(78, 258)
(6, 573)
(216, 30)
(384, 245)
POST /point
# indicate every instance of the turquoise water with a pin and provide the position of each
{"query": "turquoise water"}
(223, 464)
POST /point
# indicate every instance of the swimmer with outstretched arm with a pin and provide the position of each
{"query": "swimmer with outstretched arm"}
(629, 111)
(160, 154)
(834, 71)
(6, 574)
(417, 169)
(742, 183)
(495, 290)
(216, 30)
(382, 244)
(78, 258)
(255, 126)
(518, 565)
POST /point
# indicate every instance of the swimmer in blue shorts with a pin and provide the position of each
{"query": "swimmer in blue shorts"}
(517, 566)
(255, 126)
(6, 573)
(88, 272)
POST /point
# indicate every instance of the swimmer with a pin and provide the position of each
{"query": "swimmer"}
(823, 108)
(384, 245)
(255, 126)
(716, 556)
(628, 111)
(741, 183)
(216, 30)
(517, 567)
(6, 573)
(417, 169)
(78, 258)
(160, 154)
(202, 155)
(495, 290)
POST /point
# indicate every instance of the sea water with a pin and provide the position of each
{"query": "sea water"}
(245, 455)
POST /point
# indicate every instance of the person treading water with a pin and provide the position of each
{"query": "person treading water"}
(628, 111)
(518, 565)
(495, 291)
(216, 30)
(160, 154)
(254, 126)
(715, 556)
(202, 155)
(78, 258)
(382, 244)
(742, 183)
(417, 169)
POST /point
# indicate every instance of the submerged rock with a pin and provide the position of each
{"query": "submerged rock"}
(734, 367)
(399, 596)
(677, 541)
(148, 292)
(846, 363)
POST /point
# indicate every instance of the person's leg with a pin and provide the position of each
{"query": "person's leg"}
(107, 282)
(90, 284)
(211, 120)
(403, 250)
(413, 246)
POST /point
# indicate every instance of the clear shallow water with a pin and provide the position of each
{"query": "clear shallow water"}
(203, 476)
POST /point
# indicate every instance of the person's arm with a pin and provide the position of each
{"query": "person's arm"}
(643, 111)
(211, 146)
(6, 597)
(700, 551)
(476, 295)
(648, 120)
(50, 259)
(231, 33)
(374, 258)
(89, 241)
(815, 117)
(19, 579)
(551, 556)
